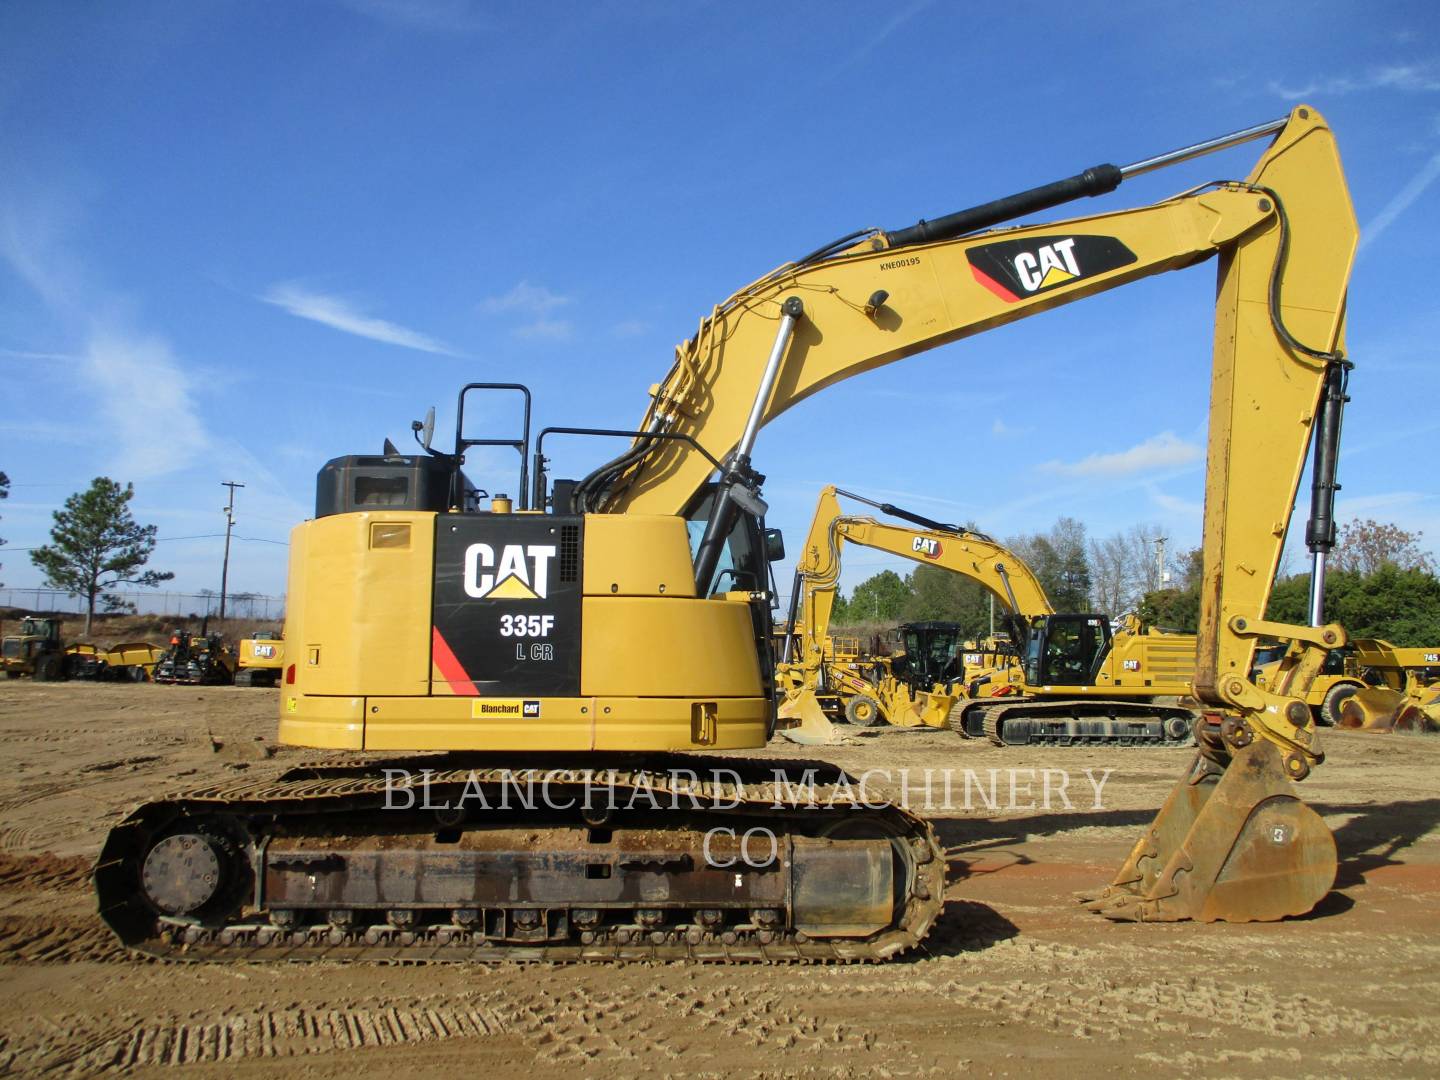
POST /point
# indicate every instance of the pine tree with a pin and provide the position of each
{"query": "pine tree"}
(97, 544)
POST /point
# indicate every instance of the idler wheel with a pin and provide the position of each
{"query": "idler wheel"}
(1177, 728)
(182, 873)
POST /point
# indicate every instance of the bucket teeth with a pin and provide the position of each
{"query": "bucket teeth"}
(814, 728)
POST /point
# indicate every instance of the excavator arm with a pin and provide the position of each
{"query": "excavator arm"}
(1284, 239)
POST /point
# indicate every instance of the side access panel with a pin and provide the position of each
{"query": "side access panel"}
(507, 610)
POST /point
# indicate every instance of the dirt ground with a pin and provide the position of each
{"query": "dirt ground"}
(1015, 980)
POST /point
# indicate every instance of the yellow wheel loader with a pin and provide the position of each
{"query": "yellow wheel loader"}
(36, 650)
(1077, 682)
(588, 656)
(1404, 690)
(1339, 679)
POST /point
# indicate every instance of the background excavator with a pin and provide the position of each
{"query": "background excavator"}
(1075, 681)
(417, 621)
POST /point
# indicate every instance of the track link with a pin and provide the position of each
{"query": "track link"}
(288, 869)
(1077, 722)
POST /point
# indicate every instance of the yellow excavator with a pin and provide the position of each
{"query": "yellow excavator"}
(1077, 682)
(584, 666)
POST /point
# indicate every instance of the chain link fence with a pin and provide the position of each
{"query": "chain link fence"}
(238, 605)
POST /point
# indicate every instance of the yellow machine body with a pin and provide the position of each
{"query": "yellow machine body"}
(261, 653)
(1402, 691)
(660, 669)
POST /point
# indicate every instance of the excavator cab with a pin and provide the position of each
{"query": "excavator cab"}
(1066, 650)
(930, 653)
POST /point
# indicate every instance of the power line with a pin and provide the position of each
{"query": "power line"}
(172, 539)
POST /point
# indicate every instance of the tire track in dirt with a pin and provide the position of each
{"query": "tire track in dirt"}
(72, 1045)
(1075, 993)
(18, 837)
(43, 870)
(559, 1027)
(35, 939)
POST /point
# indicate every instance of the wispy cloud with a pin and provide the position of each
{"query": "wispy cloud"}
(1181, 508)
(338, 314)
(630, 328)
(1383, 503)
(874, 39)
(149, 424)
(26, 354)
(1162, 451)
(1002, 430)
(545, 330)
(144, 392)
(442, 15)
(534, 303)
(524, 298)
(1402, 201)
(1412, 78)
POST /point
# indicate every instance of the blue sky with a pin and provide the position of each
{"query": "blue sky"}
(238, 239)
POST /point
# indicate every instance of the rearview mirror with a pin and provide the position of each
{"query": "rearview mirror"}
(774, 545)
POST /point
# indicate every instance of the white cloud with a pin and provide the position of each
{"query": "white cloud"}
(338, 314)
(1172, 504)
(630, 328)
(526, 299)
(536, 303)
(1413, 78)
(146, 397)
(24, 354)
(1162, 451)
(149, 424)
(1385, 503)
(445, 15)
(1402, 201)
(546, 329)
(1002, 430)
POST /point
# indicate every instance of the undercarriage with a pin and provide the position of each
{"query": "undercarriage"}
(440, 858)
(1022, 721)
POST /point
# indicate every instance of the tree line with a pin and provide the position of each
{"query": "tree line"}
(1380, 584)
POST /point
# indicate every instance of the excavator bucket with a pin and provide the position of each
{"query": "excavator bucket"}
(1382, 710)
(1232, 843)
(804, 722)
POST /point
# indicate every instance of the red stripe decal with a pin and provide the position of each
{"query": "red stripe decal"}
(993, 285)
(450, 668)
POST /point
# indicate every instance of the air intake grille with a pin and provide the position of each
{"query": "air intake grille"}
(569, 554)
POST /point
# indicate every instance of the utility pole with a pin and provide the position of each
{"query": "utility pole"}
(229, 524)
(1160, 561)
